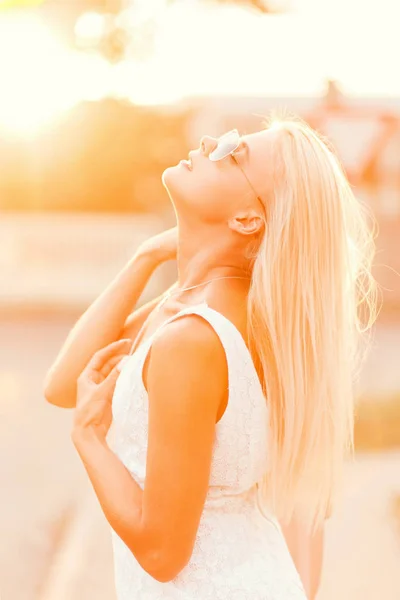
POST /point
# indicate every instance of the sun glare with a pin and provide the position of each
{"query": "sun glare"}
(199, 50)
(31, 63)
(41, 78)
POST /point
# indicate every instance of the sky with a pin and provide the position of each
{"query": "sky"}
(235, 50)
(203, 50)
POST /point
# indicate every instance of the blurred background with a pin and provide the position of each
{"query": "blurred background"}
(97, 98)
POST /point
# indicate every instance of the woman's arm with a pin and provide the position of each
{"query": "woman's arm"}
(106, 320)
(159, 523)
(102, 323)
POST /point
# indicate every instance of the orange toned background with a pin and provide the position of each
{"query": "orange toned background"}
(97, 98)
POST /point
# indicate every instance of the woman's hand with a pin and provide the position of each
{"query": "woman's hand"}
(161, 247)
(95, 388)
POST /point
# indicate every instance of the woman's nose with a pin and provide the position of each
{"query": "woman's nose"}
(207, 144)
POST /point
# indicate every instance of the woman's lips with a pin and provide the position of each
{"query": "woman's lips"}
(186, 164)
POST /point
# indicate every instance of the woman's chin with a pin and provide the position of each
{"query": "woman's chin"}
(172, 175)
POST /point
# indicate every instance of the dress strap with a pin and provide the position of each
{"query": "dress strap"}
(239, 360)
(230, 336)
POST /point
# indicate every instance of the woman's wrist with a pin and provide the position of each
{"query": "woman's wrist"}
(82, 436)
(150, 258)
(80, 433)
(159, 248)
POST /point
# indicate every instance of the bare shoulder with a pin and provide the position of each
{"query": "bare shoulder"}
(189, 337)
(188, 361)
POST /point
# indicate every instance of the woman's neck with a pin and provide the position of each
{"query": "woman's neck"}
(201, 260)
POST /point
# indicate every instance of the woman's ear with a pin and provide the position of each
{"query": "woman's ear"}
(246, 223)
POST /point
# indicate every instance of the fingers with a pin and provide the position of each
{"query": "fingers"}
(108, 384)
(99, 358)
(111, 363)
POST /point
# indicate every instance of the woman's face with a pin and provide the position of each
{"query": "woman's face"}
(215, 192)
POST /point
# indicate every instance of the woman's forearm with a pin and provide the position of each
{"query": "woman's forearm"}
(119, 495)
(99, 325)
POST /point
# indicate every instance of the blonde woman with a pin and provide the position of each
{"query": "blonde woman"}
(232, 413)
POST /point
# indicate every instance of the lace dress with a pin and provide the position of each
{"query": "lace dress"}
(240, 552)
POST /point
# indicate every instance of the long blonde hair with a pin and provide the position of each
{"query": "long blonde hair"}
(311, 301)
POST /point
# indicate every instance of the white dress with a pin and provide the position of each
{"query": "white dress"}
(240, 553)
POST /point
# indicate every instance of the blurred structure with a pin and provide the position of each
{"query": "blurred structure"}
(367, 139)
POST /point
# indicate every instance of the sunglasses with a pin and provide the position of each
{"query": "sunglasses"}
(226, 145)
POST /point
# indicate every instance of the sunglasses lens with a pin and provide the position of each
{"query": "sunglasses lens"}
(226, 144)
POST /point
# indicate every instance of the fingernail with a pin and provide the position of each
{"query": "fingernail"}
(121, 363)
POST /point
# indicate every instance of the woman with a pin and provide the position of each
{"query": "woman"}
(233, 411)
